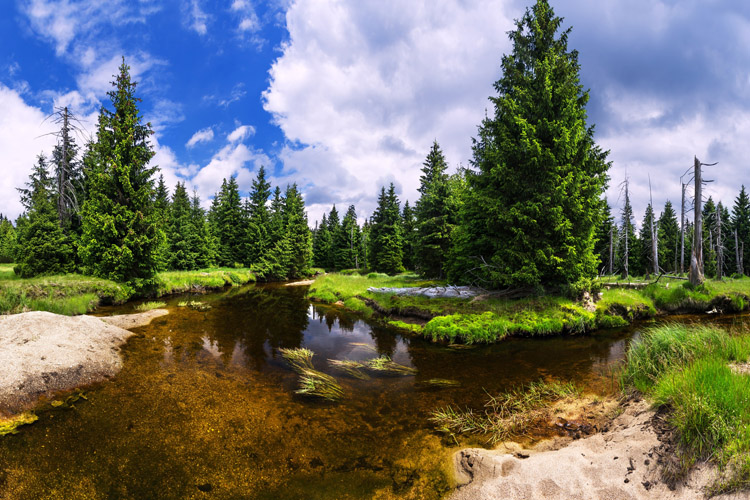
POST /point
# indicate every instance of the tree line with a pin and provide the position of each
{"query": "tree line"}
(529, 211)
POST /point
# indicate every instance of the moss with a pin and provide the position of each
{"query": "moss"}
(359, 306)
(11, 425)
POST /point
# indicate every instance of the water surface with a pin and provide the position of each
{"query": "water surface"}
(205, 407)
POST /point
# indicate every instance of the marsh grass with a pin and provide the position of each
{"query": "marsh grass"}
(202, 279)
(689, 370)
(439, 382)
(363, 345)
(384, 365)
(193, 304)
(334, 287)
(351, 368)
(318, 384)
(506, 415)
(148, 306)
(299, 359)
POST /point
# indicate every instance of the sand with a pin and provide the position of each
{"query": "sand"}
(621, 463)
(42, 353)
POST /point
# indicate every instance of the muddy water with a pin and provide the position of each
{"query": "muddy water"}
(205, 408)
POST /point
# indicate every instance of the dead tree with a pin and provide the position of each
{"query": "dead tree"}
(738, 254)
(626, 213)
(696, 259)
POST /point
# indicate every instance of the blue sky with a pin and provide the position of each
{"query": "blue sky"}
(345, 96)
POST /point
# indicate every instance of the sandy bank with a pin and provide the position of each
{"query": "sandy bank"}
(42, 353)
(621, 463)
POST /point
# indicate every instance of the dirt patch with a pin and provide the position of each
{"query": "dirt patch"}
(300, 283)
(130, 321)
(625, 461)
(42, 353)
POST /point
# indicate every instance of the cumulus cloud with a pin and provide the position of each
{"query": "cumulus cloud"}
(23, 135)
(241, 133)
(365, 88)
(203, 135)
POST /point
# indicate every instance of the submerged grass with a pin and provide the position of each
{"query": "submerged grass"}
(11, 425)
(311, 381)
(386, 366)
(148, 306)
(351, 368)
(688, 370)
(506, 415)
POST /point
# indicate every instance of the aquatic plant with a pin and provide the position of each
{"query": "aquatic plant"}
(363, 345)
(385, 365)
(318, 384)
(148, 306)
(440, 382)
(11, 425)
(299, 358)
(193, 304)
(505, 415)
(351, 368)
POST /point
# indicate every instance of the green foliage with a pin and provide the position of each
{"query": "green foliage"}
(468, 328)
(409, 327)
(148, 306)
(435, 215)
(539, 232)
(386, 234)
(409, 225)
(8, 241)
(257, 238)
(43, 247)
(228, 221)
(182, 235)
(203, 279)
(357, 305)
(669, 239)
(121, 236)
(741, 224)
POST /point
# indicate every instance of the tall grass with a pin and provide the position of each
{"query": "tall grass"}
(688, 370)
(212, 278)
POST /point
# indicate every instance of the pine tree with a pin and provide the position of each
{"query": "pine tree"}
(709, 241)
(669, 239)
(276, 218)
(161, 213)
(540, 175)
(334, 229)
(409, 224)
(291, 256)
(43, 247)
(68, 185)
(645, 262)
(628, 243)
(386, 239)
(433, 216)
(120, 231)
(741, 224)
(257, 237)
(605, 238)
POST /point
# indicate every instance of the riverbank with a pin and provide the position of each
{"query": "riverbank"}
(689, 439)
(42, 354)
(74, 294)
(492, 317)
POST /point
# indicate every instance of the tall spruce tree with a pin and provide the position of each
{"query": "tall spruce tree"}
(205, 245)
(347, 242)
(669, 239)
(258, 239)
(409, 225)
(628, 245)
(8, 240)
(181, 232)
(120, 231)
(291, 255)
(386, 238)
(741, 224)
(229, 220)
(161, 214)
(433, 215)
(43, 247)
(334, 228)
(709, 238)
(605, 240)
(646, 259)
(540, 175)
(322, 244)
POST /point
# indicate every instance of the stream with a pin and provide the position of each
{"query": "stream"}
(205, 407)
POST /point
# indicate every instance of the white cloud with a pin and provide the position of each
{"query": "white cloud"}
(366, 87)
(23, 135)
(241, 133)
(197, 19)
(203, 135)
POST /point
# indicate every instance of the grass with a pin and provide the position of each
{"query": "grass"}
(203, 279)
(386, 366)
(506, 415)
(194, 304)
(351, 368)
(688, 370)
(311, 381)
(148, 306)
(409, 327)
(68, 294)
(334, 287)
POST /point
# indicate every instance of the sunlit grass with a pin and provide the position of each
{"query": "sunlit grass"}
(148, 306)
(202, 279)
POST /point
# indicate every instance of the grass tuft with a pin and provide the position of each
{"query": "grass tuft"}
(351, 368)
(148, 306)
(385, 366)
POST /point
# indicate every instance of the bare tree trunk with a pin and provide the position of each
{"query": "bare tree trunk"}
(682, 232)
(696, 259)
(737, 260)
(611, 249)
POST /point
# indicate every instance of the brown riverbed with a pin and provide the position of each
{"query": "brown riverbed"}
(204, 407)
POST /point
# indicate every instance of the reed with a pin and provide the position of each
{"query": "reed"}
(318, 384)
(439, 382)
(299, 358)
(148, 306)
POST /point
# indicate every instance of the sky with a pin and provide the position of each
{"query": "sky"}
(343, 97)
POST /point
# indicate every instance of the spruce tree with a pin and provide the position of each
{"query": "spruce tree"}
(228, 219)
(741, 224)
(669, 239)
(605, 237)
(8, 241)
(709, 238)
(645, 263)
(385, 238)
(291, 255)
(409, 225)
(181, 232)
(540, 175)
(348, 241)
(120, 236)
(258, 239)
(43, 246)
(334, 229)
(628, 245)
(161, 214)
(205, 246)
(276, 218)
(433, 215)
(322, 244)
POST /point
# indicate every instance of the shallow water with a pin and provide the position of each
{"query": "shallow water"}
(205, 407)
